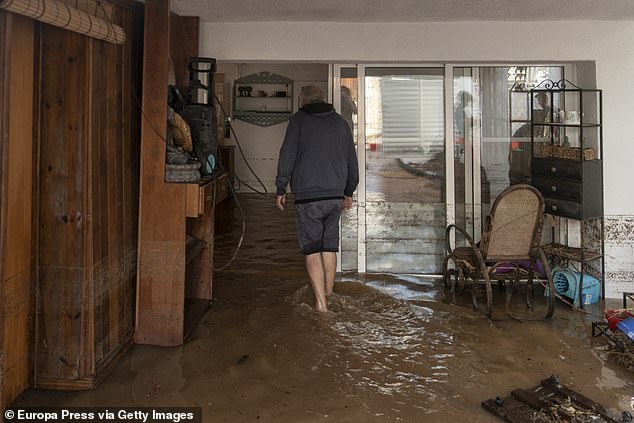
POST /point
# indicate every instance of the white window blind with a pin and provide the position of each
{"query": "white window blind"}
(412, 114)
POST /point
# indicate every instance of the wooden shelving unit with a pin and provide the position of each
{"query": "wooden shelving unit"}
(176, 223)
(567, 168)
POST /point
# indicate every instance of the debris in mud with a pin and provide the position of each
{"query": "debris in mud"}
(548, 402)
(621, 344)
(621, 347)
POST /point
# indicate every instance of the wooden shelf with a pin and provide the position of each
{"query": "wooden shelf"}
(568, 125)
(198, 199)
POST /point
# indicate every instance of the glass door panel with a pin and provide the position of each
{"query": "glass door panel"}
(404, 169)
(491, 135)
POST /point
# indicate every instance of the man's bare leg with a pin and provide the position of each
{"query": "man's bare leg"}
(315, 268)
(329, 260)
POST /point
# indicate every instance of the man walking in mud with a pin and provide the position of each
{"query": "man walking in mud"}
(319, 160)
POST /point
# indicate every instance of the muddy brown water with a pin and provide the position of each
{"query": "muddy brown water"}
(393, 348)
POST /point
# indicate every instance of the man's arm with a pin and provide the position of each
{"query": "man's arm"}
(286, 162)
(353, 170)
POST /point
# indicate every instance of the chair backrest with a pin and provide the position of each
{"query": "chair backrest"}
(515, 228)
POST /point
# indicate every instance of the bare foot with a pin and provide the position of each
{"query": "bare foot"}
(321, 308)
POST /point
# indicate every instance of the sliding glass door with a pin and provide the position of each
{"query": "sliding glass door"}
(397, 117)
(436, 145)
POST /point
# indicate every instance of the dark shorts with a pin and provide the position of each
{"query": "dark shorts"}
(318, 225)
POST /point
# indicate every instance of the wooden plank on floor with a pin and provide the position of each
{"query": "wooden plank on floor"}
(549, 401)
(512, 412)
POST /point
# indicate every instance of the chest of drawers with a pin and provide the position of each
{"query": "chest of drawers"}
(571, 188)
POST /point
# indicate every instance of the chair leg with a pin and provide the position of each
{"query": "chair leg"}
(460, 280)
(512, 286)
(508, 287)
(445, 271)
(474, 293)
(448, 277)
(551, 285)
(530, 292)
(489, 293)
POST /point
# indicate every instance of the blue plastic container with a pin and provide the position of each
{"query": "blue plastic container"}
(567, 285)
(627, 327)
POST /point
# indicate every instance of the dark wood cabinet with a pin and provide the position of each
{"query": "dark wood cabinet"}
(571, 188)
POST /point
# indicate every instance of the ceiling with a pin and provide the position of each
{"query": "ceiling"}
(403, 10)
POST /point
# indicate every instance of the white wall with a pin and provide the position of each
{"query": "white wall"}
(261, 145)
(607, 45)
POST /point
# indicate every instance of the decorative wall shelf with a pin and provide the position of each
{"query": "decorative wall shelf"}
(262, 118)
(264, 78)
(263, 99)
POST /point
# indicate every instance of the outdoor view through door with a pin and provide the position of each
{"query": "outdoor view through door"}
(404, 169)
(398, 116)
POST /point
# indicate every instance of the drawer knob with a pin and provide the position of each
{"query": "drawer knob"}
(553, 169)
(553, 188)
(553, 207)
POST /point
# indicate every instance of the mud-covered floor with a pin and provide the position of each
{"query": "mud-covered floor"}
(392, 347)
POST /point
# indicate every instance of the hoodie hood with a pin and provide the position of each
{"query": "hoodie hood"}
(314, 108)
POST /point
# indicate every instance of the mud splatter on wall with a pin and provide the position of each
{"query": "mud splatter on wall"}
(619, 255)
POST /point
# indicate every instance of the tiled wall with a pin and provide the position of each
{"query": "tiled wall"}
(619, 255)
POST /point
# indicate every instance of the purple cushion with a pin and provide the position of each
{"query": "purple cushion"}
(538, 267)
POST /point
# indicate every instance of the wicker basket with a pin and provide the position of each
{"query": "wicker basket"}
(570, 153)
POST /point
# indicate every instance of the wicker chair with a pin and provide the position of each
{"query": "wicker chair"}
(511, 238)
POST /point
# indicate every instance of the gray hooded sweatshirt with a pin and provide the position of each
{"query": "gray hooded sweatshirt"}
(318, 156)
